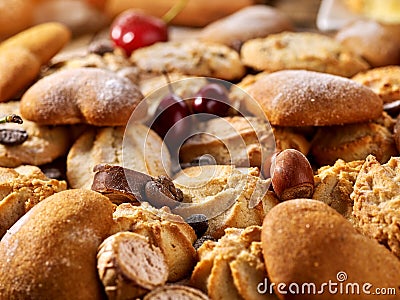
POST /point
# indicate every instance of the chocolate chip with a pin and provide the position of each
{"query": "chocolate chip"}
(11, 137)
(101, 47)
(392, 108)
(197, 244)
(199, 223)
(161, 192)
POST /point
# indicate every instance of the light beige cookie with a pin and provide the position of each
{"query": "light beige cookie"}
(248, 23)
(20, 190)
(228, 196)
(43, 145)
(83, 95)
(376, 201)
(301, 50)
(138, 149)
(190, 57)
(384, 81)
(232, 267)
(334, 184)
(378, 43)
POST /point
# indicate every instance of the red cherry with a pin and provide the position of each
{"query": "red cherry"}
(133, 29)
(212, 99)
(171, 111)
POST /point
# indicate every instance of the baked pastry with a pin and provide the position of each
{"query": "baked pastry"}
(20, 190)
(307, 242)
(248, 23)
(384, 81)
(22, 55)
(167, 231)
(138, 149)
(305, 98)
(176, 292)
(129, 266)
(235, 140)
(190, 57)
(50, 253)
(232, 267)
(375, 199)
(334, 184)
(387, 11)
(82, 95)
(301, 50)
(43, 144)
(353, 142)
(378, 43)
(228, 196)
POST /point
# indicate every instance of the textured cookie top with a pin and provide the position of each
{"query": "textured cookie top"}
(384, 81)
(305, 98)
(190, 58)
(301, 50)
(83, 95)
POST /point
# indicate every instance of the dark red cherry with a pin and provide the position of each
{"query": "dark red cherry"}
(171, 111)
(133, 29)
(212, 99)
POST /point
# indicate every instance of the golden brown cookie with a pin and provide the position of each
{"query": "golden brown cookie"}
(232, 267)
(378, 43)
(306, 98)
(301, 50)
(375, 199)
(165, 230)
(139, 149)
(82, 95)
(231, 140)
(50, 253)
(307, 242)
(22, 55)
(248, 23)
(228, 196)
(334, 184)
(190, 57)
(20, 190)
(43, 145)
(384, 81)
(353, 142)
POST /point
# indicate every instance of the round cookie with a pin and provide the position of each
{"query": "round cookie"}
(306, 98)
(384, 81)
(82, 95)
(104, 145)
(248, 23)
(190, 57)
(377, 43)
(301, 50)
(353, 142)
(44, 143)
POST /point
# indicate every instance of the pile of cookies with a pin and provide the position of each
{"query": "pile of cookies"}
(292, 180)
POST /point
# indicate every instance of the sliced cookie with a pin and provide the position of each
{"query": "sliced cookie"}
(301, 50)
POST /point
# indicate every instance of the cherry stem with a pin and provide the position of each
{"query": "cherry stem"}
(11, 119)
(165, 73)
(174, 11)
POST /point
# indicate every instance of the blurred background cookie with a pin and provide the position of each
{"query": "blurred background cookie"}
(301, 50)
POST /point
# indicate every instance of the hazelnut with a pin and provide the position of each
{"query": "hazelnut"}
(292, 175)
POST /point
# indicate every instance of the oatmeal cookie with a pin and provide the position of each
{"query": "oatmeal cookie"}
(376, 201)
(190, 57)
(301, 50)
